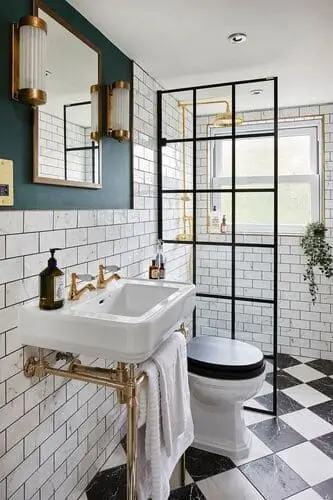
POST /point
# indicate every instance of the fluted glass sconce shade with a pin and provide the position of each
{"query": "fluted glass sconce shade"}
(118, 110)
(94, 94)
(29, 60)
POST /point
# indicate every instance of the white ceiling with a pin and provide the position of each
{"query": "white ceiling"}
(184, 42)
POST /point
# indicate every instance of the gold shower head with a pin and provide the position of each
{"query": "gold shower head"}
(225, 119)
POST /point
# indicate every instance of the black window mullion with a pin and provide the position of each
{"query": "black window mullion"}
(275, 251)
(233, 213)
(159, 167)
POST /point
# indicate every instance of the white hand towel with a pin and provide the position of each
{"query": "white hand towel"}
(171, 360)
(156, 460)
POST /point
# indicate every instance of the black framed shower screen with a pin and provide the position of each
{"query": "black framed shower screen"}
(232, 191)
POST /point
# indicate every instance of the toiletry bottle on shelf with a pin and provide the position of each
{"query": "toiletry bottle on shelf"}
(223, 227)
(51, 285)
(162, 272)
(214, 217)
(153, 271)
(159, 254)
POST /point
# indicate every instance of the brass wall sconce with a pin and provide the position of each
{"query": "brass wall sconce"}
(94, 109)
(29, 60)
(118, 110)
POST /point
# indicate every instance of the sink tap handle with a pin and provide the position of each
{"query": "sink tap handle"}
(85, 277)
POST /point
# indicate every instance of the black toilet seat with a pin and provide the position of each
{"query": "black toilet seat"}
(224, 359)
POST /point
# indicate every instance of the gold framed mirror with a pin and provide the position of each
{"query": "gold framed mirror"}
(66, 152)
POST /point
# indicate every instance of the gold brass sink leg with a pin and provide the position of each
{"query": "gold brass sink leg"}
(123, 379)
(132, 433)
(122, 372)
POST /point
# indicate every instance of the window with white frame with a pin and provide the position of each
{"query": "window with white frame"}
(299, 186)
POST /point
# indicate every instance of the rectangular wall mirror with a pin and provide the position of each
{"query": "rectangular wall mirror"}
(64, 153)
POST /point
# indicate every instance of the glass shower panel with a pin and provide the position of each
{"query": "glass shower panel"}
(213, 317)
(177, 166)
(177, 112)
(177, 215)
(254, 273)
(178, 262)
(213, 110)
(254, 104)
(213, 269)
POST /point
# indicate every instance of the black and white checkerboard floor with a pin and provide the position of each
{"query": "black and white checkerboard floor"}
(291, 456)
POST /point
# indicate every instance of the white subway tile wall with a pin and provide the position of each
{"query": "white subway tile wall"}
(303, 329)
(55, 435)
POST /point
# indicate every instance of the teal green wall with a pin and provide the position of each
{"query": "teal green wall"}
(16, 124)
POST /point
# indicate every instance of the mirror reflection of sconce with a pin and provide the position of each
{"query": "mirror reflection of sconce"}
(95, 121)
(29, 61)
(118, 110)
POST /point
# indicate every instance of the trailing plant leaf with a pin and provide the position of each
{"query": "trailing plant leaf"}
(318, 253)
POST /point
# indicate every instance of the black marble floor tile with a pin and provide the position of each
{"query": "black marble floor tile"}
(324, 385)
(286, 361)
(190, 492)
(325, 489)
(285, 403)
(325, 444)
(324, 410)
(284, 380)
(202, 464)
(273, 478)
(108, 485)
(276, 434)
(322, 365)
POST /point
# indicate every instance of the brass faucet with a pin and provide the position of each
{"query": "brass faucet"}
(101, 280)
(74, 293)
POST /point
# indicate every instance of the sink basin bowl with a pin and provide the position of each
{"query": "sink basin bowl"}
(125, 322)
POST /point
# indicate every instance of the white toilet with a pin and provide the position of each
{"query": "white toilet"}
(223, 374)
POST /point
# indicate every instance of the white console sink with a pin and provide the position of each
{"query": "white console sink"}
(125, 322)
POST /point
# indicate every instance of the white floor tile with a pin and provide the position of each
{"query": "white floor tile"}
(304, 373)
(303, 359)
(308, 462)
(258, 449)
(253, 417)
(306, 395)
(230, 485)
(307, 423)
(306, 495)
(117, 458)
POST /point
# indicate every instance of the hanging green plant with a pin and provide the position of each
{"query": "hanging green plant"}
(318, 253)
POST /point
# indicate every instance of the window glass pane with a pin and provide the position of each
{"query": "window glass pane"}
(254, 157)
(295, 155)
(257, 208)
(251, 209)
(294, 203)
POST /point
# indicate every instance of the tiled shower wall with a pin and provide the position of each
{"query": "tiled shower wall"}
(51, 157)
(55, 434)
(303, 329)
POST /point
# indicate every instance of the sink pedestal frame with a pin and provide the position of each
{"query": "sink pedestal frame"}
(122, 378)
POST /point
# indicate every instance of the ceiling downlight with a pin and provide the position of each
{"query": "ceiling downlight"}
(237, 38)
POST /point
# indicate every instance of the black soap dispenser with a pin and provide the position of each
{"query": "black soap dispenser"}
(51, 285)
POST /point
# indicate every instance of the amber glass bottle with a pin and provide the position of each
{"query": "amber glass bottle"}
(51, 285)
